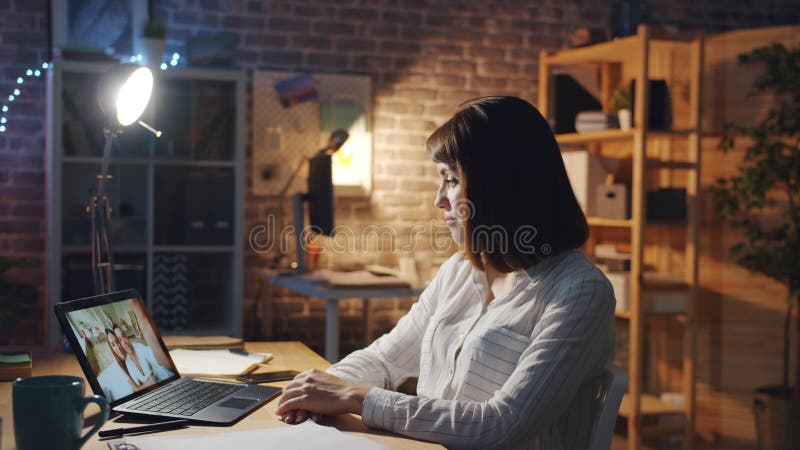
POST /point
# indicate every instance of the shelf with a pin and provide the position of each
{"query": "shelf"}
(676, 165)
(603, 222)
(615, 134)
(588, 137)
(626, 315)
(116, 249)
(614, 51)
(193, 248)
(157, 248)
(149, 160)
(656, 431)
(617, 50)
(625, 223)
(650, 405)
(659, 282)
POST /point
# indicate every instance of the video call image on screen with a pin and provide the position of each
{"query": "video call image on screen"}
(121, 347)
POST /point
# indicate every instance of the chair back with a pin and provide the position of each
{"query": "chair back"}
(611, 387)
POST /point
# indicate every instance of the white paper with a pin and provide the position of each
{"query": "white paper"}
(307, 436)
(215, 362)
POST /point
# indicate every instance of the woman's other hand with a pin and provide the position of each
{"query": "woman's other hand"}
(316, 393)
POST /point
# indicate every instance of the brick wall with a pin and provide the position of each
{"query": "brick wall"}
(424, 57)
(23, 44)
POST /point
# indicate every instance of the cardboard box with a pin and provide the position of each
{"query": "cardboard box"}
(621, 282)
(611, 202)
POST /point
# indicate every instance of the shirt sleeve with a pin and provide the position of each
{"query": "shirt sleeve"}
(394, 357)
(574, 337)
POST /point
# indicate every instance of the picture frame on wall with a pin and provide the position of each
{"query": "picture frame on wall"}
(106, 27)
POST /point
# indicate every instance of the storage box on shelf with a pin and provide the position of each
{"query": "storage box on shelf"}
(648, 160)
(177, 201)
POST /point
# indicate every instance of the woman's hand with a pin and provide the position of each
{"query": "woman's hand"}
(315, 393)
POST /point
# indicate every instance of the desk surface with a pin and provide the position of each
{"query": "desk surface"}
(306, 284)
(292, 355)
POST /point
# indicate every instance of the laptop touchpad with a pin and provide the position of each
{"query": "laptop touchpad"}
(238, 402)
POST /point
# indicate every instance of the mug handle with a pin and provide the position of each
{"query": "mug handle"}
(103, 404)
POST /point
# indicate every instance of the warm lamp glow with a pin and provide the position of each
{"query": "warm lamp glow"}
(133, 96)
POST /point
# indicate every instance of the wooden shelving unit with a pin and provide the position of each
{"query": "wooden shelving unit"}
(655, 158)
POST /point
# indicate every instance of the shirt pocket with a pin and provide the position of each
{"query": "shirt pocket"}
(494, 357)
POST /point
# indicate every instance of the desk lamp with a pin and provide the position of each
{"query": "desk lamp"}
(335, 142)
(123, 94)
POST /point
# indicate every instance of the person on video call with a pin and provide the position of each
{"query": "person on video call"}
(140, 361)
(115, 379)
(509, 338)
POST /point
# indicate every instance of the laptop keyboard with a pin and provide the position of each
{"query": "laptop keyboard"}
(186, 398)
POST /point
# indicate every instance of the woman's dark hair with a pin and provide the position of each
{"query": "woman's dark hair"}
(520, 205)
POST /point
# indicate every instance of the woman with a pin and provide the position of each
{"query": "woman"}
(140, 362)
(115, 379)
(509, 338)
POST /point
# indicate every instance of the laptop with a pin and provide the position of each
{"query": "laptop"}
(124, 359)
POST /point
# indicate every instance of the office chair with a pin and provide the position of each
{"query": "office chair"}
(613, 384)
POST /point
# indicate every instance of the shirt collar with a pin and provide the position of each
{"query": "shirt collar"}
(539, 270)
(532, 274)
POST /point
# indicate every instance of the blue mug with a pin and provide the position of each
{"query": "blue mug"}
(48, 412)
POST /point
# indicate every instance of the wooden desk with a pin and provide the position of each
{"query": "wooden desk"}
(294, 355)
(303, 284)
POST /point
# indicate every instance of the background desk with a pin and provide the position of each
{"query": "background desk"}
(293, 355)
(304, 285)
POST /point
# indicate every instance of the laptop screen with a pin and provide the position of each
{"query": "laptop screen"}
(119, 346)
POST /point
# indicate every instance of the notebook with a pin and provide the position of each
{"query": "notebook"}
(124, 359)
(216, 363)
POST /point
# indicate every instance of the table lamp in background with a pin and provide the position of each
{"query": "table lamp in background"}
(123, 94)
(319, 185)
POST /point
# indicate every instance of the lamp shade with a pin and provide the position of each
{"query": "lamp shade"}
(124, 92)
(335, 142)
(337, 139)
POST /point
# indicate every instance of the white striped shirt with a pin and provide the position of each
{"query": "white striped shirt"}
(526, 372)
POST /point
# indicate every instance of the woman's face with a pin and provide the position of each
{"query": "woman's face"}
(113, 342)
(450, 198)
(123, 340)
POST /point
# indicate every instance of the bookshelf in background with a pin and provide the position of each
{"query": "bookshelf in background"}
(177, 201)
(663, 256)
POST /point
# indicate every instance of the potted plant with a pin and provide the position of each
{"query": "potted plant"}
(763, 200)
(153, 42)
(18, 301)
(621, 104)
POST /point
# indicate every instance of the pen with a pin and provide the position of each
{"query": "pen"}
(245, 353)
(171, 425)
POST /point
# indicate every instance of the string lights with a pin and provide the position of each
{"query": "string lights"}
(37, 73)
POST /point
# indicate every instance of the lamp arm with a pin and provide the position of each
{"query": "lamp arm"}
(288, 184)
(110, 134)
(100, 209)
